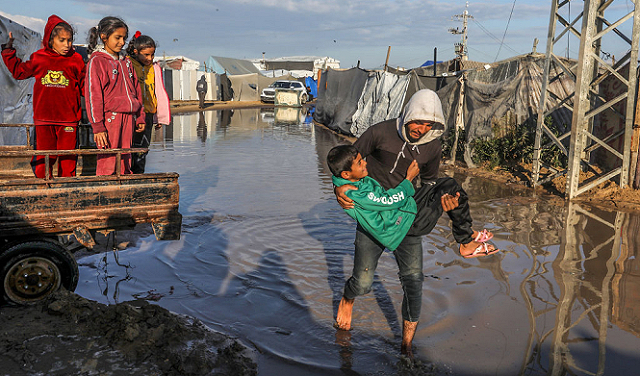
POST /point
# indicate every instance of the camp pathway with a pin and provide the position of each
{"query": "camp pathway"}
(265, 251)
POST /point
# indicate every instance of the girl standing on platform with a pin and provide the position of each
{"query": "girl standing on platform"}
(113, 97)
(141, 51)
(59, 74)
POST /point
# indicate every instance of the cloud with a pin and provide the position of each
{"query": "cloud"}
(35, 24)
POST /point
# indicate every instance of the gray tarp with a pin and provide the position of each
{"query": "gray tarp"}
(512, 99)
(381, 99)
(338, 95)
(351, 101)
(15, 96)
(247, 87)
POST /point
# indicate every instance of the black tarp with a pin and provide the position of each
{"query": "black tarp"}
(226, 92)
(338, 95)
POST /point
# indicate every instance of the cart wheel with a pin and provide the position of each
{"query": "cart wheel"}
(32, 270)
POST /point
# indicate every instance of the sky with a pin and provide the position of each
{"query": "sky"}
(350, 31)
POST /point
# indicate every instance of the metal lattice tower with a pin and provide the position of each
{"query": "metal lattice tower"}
(590, 71)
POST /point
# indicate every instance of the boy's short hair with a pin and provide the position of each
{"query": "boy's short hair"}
(341, 158)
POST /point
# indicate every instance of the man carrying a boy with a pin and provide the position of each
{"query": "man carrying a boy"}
(390, 147)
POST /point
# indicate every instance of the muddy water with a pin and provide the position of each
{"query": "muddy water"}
(265, 251)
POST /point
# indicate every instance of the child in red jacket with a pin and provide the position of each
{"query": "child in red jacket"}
(59, 81)
(113, 96)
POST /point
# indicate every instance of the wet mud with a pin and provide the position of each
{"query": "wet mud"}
(265, 251)
(70, 335)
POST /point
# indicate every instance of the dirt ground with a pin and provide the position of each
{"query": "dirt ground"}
(607, 195)
(69, 335)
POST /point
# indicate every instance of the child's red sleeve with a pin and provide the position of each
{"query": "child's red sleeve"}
(94, 98)
(19, 69)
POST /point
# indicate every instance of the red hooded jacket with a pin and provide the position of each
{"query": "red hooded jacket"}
(59, 80)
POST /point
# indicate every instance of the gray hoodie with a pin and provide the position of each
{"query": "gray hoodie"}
(389, 151)
(423, 105)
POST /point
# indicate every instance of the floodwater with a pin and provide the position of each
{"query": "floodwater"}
(265, 251)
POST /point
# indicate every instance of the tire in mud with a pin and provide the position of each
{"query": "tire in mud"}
(32, 270)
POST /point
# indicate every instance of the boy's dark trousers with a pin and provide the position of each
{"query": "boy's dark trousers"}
(141, 140)
(430, 209)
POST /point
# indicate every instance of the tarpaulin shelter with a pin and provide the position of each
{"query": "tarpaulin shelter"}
(247, 87)
(230, 66)
(16, 95)
(177, 62)
(504, 95)
(349, 101)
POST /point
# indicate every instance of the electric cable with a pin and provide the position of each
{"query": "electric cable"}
(505, 29)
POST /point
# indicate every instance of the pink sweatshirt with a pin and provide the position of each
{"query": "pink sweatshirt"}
(163, 112)
(111, 86)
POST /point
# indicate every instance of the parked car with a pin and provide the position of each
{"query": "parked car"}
(269, 93)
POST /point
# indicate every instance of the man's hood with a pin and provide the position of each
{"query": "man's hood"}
(423, 105)
(52, 22)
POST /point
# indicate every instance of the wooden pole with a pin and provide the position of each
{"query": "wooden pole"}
(386, 63)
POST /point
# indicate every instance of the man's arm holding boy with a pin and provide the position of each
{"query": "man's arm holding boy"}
(390, 199)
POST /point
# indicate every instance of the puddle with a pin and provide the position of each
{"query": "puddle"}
(265, 251)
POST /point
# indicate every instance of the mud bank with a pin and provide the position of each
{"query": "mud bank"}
(192, 106)
(69, 335)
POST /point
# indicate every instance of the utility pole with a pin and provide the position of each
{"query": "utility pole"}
(461, 48)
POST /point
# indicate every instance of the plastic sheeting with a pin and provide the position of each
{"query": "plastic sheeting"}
(338, 94)
(230, 66)
(15, 95)
(381, 99)
(374, 96)
(511, 98)
(247, 87)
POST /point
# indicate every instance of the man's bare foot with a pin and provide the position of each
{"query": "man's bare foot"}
(343, 319)
(408, 332)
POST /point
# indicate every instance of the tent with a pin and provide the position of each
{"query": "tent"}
(15, 95)
(230, 66)
(177, 62)
(349, 101)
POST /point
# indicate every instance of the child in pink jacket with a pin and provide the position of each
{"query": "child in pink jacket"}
(112, 94)
(155, 99)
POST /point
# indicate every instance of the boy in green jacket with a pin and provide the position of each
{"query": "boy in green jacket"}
(386, 215)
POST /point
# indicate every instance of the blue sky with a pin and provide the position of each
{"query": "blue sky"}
(346, 30)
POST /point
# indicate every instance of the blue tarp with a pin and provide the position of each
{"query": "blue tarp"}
(313, 85)
(429, 62)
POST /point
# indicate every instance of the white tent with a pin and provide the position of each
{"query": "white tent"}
(15, 95)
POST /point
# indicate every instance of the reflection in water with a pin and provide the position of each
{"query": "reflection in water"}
(202, 127)
(265, 251)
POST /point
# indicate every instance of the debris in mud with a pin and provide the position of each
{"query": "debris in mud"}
(67, 334)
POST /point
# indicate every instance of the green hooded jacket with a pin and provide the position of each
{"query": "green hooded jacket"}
(385, 214)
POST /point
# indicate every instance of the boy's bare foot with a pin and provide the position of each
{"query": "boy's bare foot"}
(343, 319)
(408, 332)
(476, 248)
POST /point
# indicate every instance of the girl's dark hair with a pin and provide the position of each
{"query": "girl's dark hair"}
(106, 26)
(140, 43)
(56, 30)
(340, 158)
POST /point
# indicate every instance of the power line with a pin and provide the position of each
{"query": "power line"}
(505, 29)
(484, 29)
